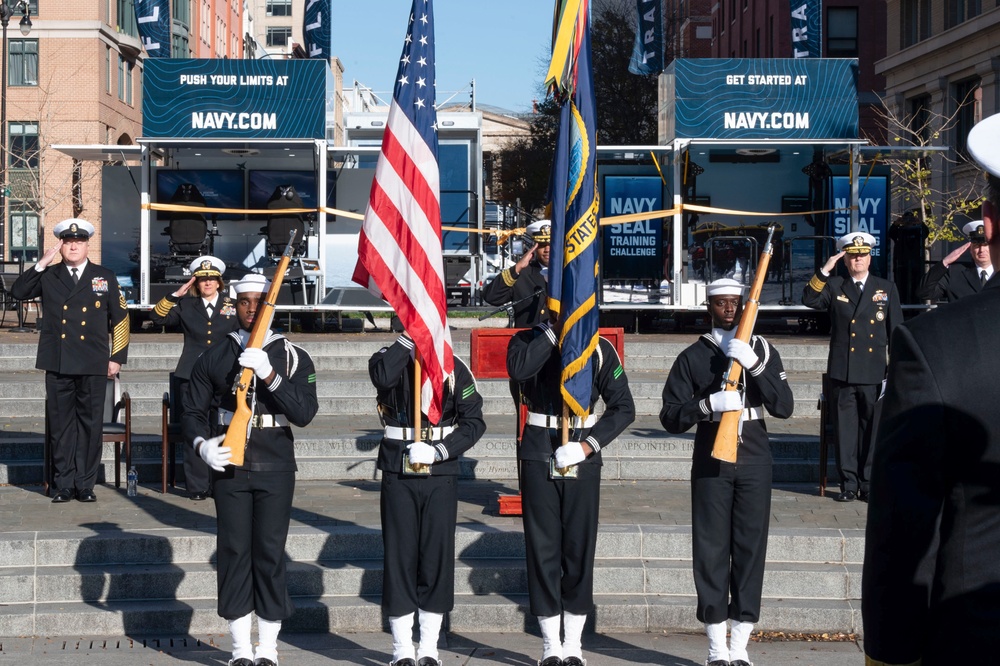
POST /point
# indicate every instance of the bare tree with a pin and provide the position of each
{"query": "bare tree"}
(918, 183)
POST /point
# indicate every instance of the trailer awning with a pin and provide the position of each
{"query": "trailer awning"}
(101, 153)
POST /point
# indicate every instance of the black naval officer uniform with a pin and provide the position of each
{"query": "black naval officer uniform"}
(73, 348)
(861, 325)
(730, 503)
(950, 283)
(200, 330)
(510, 286)
(419, 512)
(253, 502)
(560, 515)
(931, 571)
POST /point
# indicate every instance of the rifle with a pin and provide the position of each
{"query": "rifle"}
(727, 438)
(239, 428)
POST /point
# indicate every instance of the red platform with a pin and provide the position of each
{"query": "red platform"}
(488, 353)
(488, 360)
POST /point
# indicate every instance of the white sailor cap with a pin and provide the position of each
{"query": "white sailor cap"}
(983, 143)
(856, 242)
(207, 266)
(724, 287)
(73, 229)
(540, 231)
(252, 282)
(976, 231)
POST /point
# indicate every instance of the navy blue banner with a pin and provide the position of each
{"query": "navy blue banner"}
(647, 54)
(633, 250)
(222, 98)
(873, 215)
(153, 17)
(316, 29)
(751, 98)
(807, 28)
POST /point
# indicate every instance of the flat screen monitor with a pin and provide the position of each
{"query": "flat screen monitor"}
(218, 188)
(264, 182)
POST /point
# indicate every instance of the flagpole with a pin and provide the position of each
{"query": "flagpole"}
(417, 384)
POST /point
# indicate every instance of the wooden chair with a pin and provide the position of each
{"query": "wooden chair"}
(170, 434)
(117, 426)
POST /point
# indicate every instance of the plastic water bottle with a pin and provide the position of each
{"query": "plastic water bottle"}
(133, 481)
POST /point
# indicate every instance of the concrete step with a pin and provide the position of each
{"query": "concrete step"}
(487, 614)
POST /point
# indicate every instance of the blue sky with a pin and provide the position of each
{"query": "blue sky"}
(499, 43)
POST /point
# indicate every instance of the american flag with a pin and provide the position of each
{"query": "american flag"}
(399, 251)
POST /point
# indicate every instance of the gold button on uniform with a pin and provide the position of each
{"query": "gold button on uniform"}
(63, 335)
(852, 348)
(82, 338)
(64, 321)
(65, 307)
(85, 308)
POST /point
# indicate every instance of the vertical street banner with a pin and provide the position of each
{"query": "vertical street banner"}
(573, 192)
(399, 249)
(316, 29)
(634, 250)
(647, 54)
(807, 28)
(873, 215)
(153, 19)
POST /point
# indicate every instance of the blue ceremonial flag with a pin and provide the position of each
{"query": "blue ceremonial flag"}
(573, 192)
(153, 19)
(807, 28)
(316, 29)
(647, 54)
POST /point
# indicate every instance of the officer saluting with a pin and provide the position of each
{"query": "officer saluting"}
(205, 319)
(951, 281)
(527, 280)
(864, 309)
(83, 343)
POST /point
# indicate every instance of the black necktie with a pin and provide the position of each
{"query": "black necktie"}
(982, 277)
(861, 286)
(208, 308)
(76, 278)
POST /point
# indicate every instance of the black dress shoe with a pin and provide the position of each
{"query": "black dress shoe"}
(740, 662)
(198, 497)
(551, 661)
(863, 495)
(403, 662)
(718, 662)
(428, 661)
(846, 496)
(242, 661)
(262, 661)
(63, 495)
(573, 661)
(86, 495)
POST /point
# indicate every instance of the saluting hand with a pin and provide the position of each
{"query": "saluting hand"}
(831, 263)
(525, 259)
(184, 288)
(955, 254)
(50, 254)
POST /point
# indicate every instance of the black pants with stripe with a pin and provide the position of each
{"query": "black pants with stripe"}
(560, 535)
(253, 511)
(75, 412)
(418, 536)
(855, 424)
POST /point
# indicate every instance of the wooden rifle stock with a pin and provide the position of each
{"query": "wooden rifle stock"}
(239, 428)
(727, 438)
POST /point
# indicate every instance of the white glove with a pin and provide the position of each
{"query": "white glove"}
(726, 401)
(742, 353)
(256, 359)
(214, 455)
(570, 454)
(420, 453)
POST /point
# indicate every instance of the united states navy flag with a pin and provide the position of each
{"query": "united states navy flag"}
(573, 193)
(153, 20)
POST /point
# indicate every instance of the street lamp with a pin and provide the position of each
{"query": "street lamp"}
(6, 12)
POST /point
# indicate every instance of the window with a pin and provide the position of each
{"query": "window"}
(22, 152)
(121, 78)
(23, 232)
(23, 58)
(279, 7)
(915, 21)
(279, 36)
(961, 10)
(842, 32)
(107, 69)
(126, 18)
(128, 82)
(967, 98)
